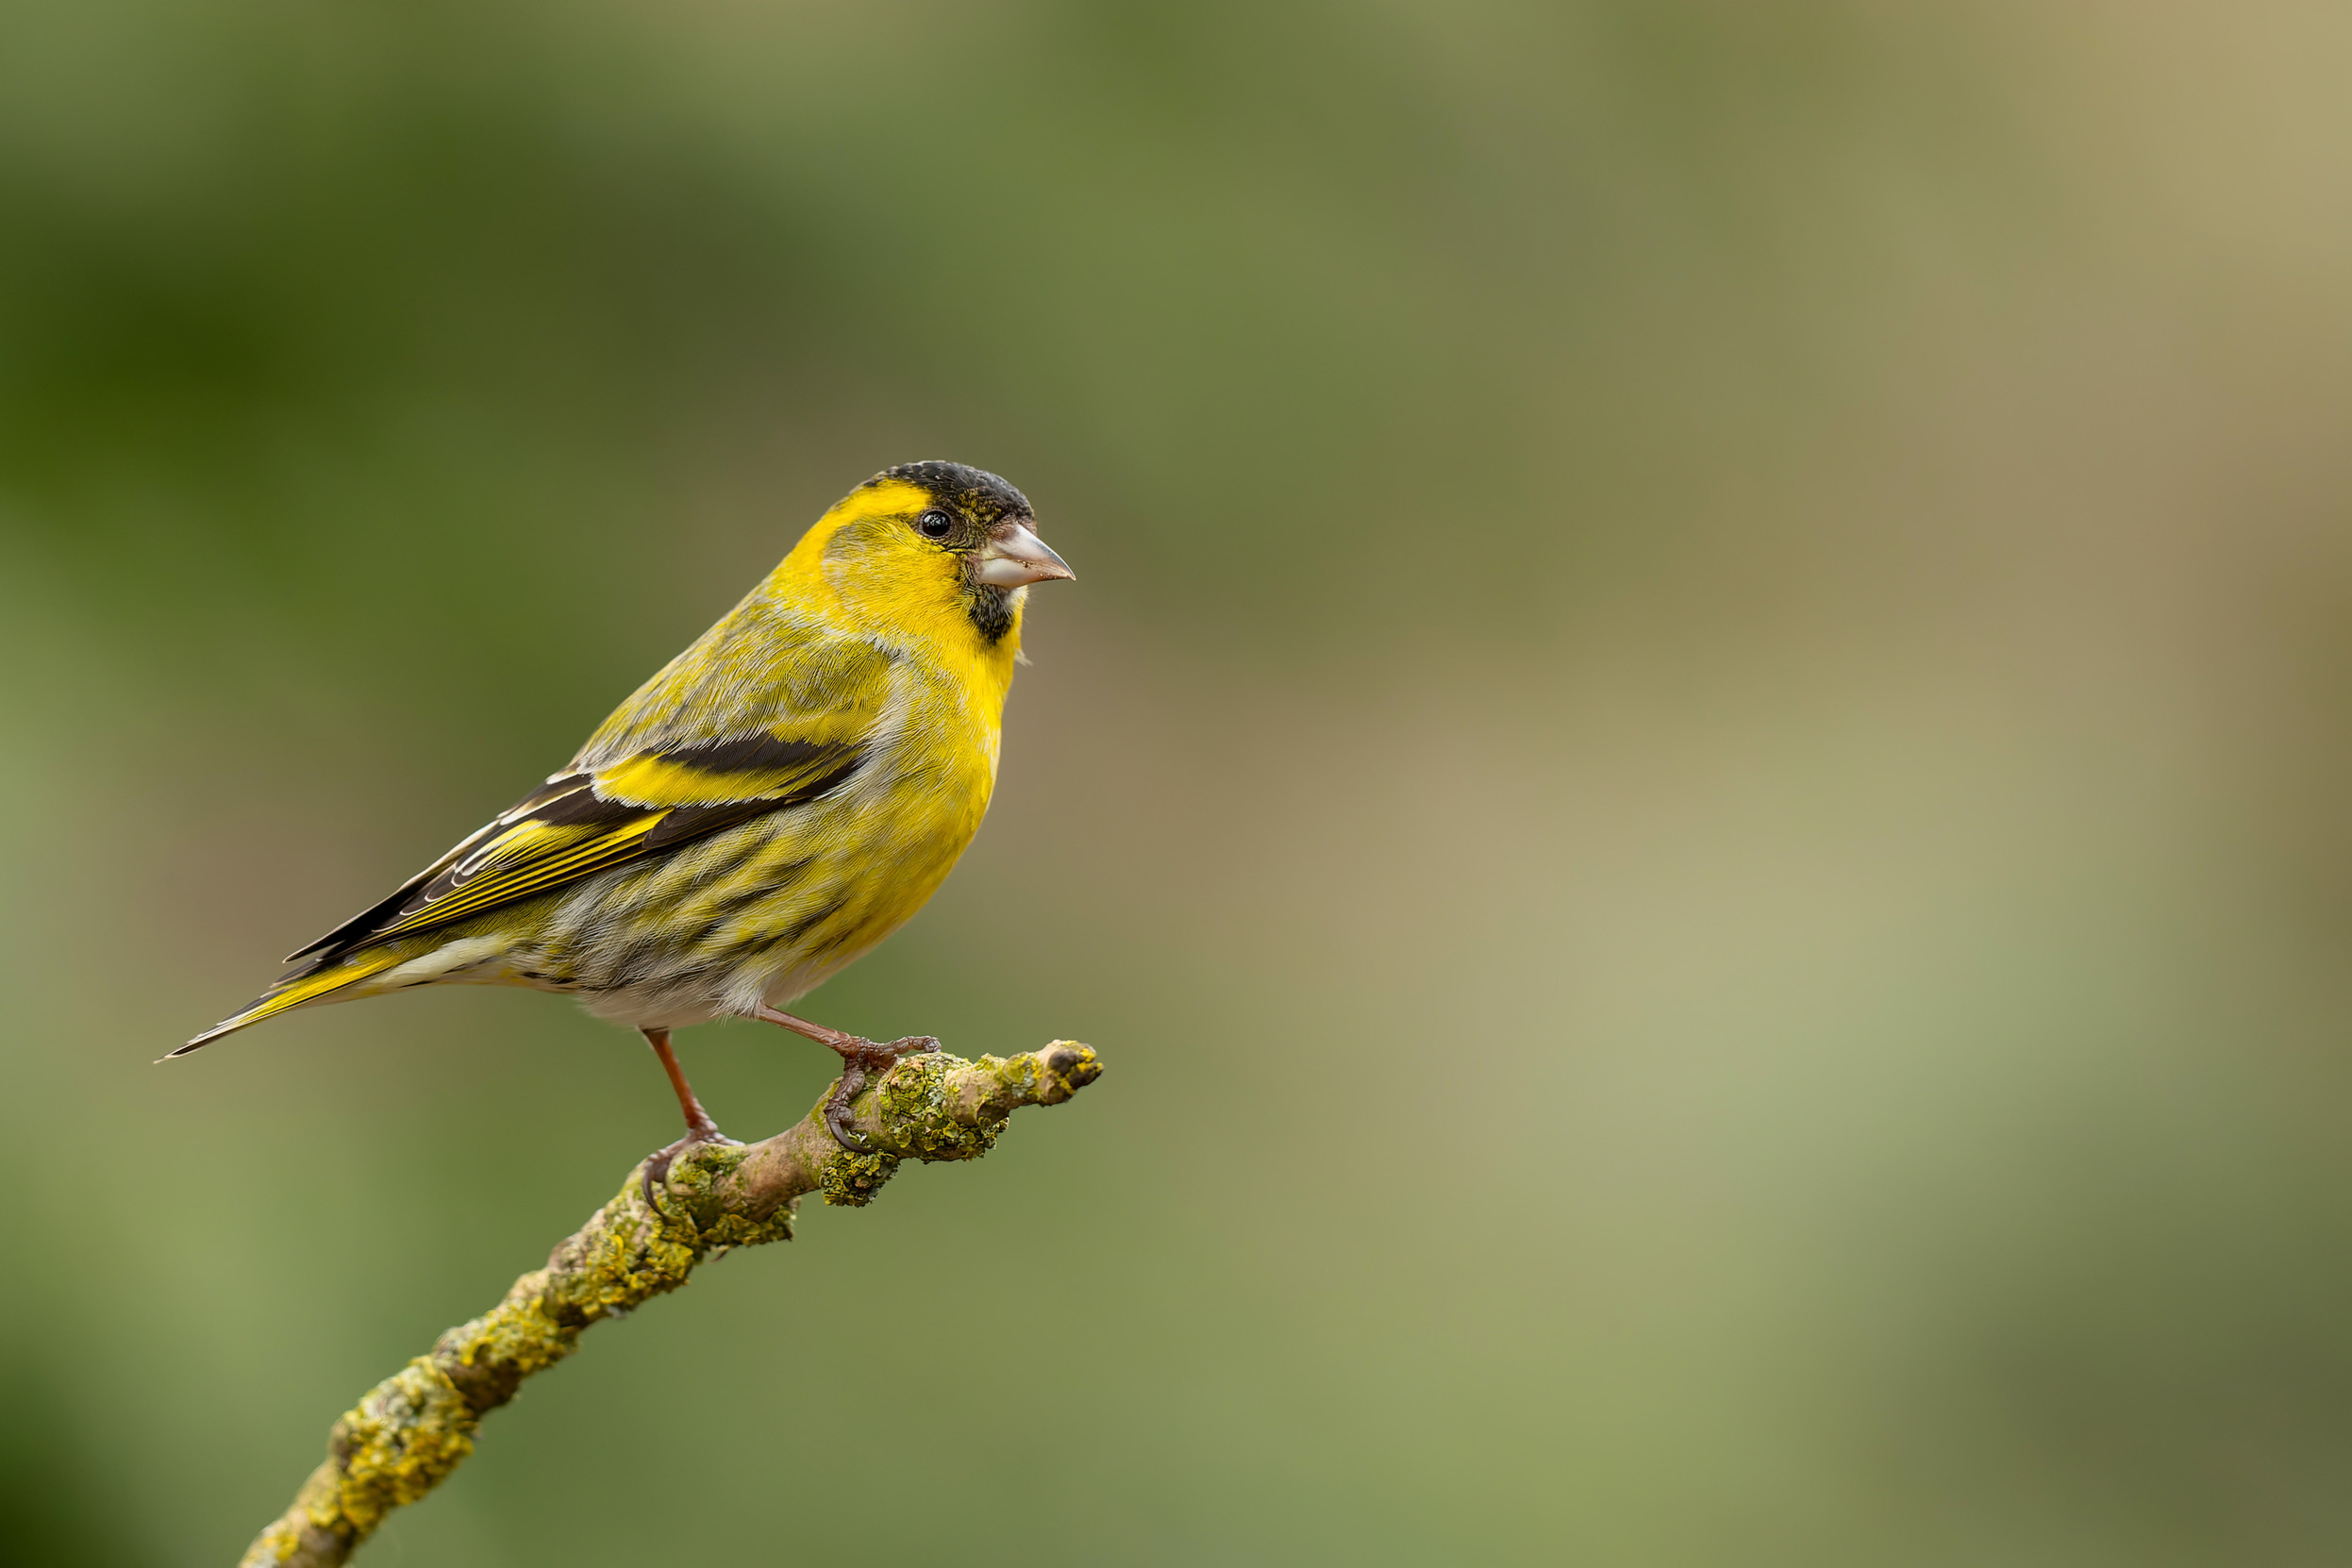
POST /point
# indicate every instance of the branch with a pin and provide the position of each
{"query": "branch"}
(413, 1428)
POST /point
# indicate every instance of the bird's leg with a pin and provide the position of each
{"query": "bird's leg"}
(698, 1123)
(700, 1129)
(859, 1057)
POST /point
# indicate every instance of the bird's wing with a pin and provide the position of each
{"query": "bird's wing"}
(643, 803)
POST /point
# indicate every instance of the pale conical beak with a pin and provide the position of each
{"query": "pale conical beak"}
(1015, 556)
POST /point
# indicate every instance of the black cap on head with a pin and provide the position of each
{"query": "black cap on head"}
(974, 490)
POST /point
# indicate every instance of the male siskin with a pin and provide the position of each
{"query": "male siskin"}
(777, 800)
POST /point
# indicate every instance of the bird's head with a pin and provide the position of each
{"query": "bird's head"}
(932, 548)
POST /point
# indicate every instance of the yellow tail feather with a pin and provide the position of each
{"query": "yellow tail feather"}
(292, 992)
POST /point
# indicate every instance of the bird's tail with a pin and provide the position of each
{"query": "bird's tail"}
(295, 990)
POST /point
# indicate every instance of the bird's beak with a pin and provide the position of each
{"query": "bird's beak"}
(1015, 556)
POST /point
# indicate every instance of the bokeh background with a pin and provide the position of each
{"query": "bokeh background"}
(1696, 784)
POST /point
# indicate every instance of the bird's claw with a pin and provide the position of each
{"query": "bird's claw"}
(837, 1120)
(658, 1164)
(867, 1057)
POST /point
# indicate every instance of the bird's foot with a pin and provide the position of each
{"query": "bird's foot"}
(859, 1058)
(658, 1164)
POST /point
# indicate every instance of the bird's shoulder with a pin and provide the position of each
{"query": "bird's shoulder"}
(763, 670)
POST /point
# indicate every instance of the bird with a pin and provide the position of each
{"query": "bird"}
(769, 807)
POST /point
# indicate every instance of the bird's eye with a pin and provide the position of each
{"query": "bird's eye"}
(934, 525)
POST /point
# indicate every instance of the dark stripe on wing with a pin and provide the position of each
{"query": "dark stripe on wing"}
(692, 822)
(761, 753)
(352, 932)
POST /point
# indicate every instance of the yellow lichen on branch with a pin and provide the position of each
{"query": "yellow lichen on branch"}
(410, 1432)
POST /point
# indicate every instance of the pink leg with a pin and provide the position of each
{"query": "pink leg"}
(700, 1129)
(859, 1057)
(698, 1121)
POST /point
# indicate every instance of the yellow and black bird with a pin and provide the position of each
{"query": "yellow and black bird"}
(780, 798)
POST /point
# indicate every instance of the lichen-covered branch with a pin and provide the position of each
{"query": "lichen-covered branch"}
(413, 1428)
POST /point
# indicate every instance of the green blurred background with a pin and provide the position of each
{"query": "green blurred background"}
(1696, 784)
